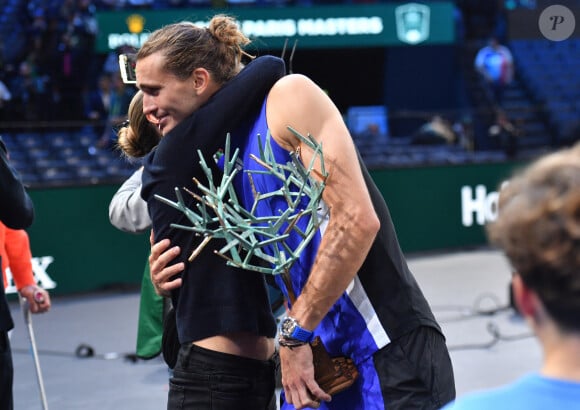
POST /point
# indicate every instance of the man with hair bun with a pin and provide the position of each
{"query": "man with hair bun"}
(352, 285)
(224, 321)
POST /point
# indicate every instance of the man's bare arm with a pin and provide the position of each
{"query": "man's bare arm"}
(353, 224)
(296, 101)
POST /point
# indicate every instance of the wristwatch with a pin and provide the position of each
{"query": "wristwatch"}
(290, 329)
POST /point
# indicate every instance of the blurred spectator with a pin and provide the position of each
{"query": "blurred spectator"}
(44, 35)
(83, 26)
(506, 133)
(438, 131)
(111, 63)
(75, 68)
(38, 29)
(29, 91)
(463, 129)
(495, 64)
(66, 9)
(69, 78)
(118, 105)
(372, 132)
(98, 103)
(42, 45)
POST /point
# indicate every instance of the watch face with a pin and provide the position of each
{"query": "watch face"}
(287, 327)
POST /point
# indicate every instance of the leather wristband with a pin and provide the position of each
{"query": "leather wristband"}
(290, 343)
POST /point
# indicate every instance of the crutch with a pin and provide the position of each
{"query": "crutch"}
(28, 320)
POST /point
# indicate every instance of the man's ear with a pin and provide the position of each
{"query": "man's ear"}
(525, 299)
(200, 78)
(151, 118)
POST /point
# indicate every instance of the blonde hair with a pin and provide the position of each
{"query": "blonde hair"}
(185, 46)
(139, 136)
(538, 227)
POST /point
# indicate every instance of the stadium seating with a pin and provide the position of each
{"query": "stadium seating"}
(550, 70)
(65, 158)
(544, 101)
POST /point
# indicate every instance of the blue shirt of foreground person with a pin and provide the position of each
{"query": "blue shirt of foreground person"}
(538, 228)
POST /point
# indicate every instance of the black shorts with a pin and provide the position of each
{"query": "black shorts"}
(415, 371)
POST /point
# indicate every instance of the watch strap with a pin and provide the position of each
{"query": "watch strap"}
(290, 329)
(302, 334)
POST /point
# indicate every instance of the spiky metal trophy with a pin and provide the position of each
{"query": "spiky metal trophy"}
(219, 214)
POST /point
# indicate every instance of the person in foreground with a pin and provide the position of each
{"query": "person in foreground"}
(353, 288)
(16, 208)
(16, 214)
(538, 228)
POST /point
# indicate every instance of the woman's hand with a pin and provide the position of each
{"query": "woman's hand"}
(164, 278)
